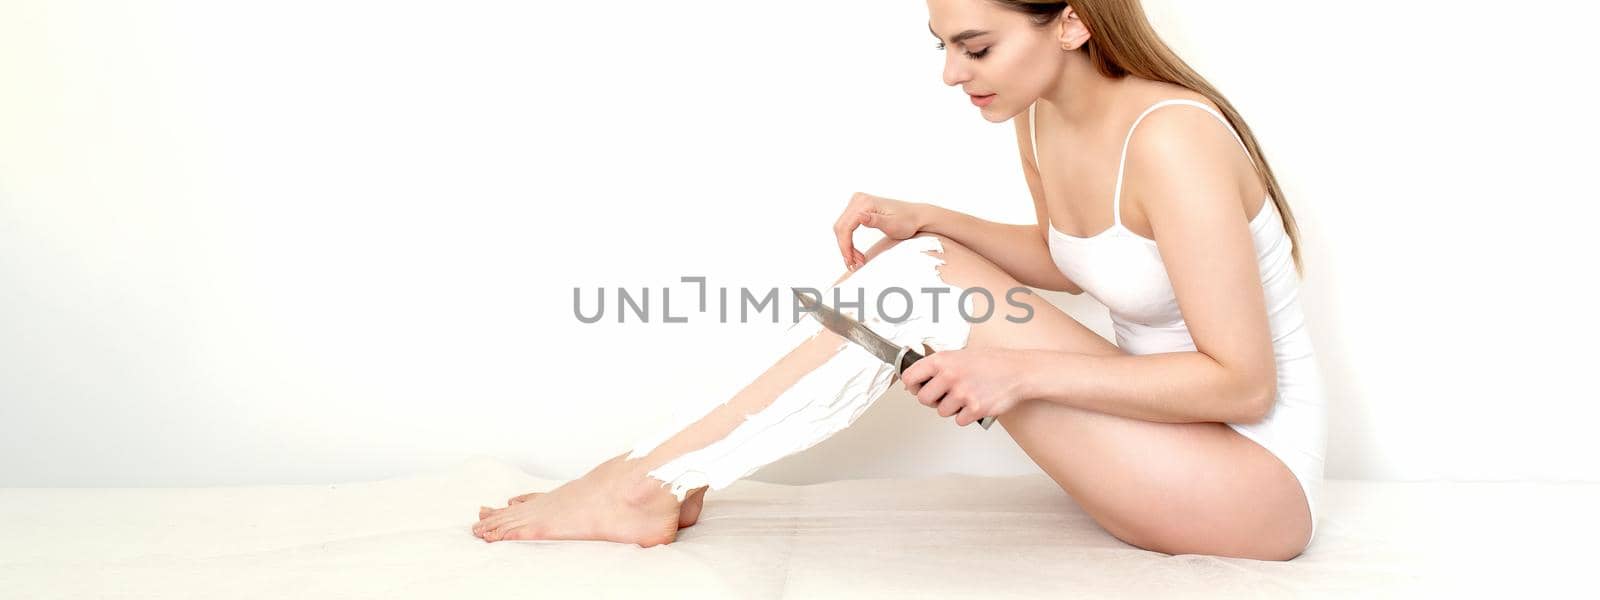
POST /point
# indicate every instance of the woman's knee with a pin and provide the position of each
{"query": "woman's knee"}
(958, 264)
(885, 244)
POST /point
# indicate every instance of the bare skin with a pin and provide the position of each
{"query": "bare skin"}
(612, 502)
(1169, 483)
(1123, 472)
(687, 514)
(617, 501)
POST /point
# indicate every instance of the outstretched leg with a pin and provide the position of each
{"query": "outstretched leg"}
(819, 386)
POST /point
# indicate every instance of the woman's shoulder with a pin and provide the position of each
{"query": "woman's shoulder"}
(1149, 93)
(1174, 127)
(1182, 145)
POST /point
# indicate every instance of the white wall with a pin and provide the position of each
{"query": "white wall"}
(317, 241)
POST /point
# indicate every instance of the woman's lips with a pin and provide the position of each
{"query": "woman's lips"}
(982, 101)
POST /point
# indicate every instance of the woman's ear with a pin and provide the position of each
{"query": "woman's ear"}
(1073, 32)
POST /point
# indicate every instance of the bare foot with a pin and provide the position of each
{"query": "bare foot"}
(522, 498)
(613, 502)
(485, 511)
(690, 512)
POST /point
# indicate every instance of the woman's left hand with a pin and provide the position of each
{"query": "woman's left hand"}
(970, 383)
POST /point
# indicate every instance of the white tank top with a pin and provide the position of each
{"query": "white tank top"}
(1124, 271)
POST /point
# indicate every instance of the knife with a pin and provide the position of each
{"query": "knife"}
(885, 350)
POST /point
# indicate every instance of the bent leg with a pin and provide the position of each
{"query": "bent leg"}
(1170, 487)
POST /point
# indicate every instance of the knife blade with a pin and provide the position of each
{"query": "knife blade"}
(887, 351)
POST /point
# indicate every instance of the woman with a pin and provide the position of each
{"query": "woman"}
(1201, 431)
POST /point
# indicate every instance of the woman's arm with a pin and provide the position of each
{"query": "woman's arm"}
(1019, 250)
(1172, 387)
(1190, 178)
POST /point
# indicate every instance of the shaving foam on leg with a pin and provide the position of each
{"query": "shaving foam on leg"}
(831, 397)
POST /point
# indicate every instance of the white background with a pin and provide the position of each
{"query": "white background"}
(308, 241)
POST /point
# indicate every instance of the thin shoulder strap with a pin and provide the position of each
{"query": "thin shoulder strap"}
(1033, 136)
(1116, 199)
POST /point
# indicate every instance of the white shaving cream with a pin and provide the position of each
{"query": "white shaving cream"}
(831, 397)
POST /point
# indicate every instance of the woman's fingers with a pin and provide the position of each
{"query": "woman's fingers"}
(843, 231)
(918, 374)
(950, 404)
(930, 393)
(860, 211)
(856, 257)
(967, 416)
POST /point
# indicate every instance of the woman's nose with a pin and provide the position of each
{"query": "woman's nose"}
(954, 72)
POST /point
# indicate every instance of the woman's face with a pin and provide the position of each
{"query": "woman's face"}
(997, 55)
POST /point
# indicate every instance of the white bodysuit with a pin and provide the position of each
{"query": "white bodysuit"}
(1124, 271)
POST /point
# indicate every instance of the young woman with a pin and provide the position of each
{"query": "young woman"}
(1202, 430)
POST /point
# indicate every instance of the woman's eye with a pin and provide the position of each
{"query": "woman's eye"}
(978, 54)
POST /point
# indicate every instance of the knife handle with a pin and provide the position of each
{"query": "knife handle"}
(910, 357)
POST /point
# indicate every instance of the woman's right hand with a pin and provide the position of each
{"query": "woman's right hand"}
(897, 220)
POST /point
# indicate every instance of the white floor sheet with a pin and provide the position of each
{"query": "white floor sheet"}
(951, 536)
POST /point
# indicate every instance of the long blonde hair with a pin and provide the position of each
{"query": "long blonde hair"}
(1122, 42)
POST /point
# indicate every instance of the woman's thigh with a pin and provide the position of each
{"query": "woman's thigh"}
(1178, 488)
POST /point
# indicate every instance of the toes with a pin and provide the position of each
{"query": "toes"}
(524, 532)
(499, 533)
(485, 512)
(485, 531)
(500, 519)
(485, 525)
(523, 498)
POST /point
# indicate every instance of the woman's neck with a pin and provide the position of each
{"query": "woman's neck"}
(1082, 95)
